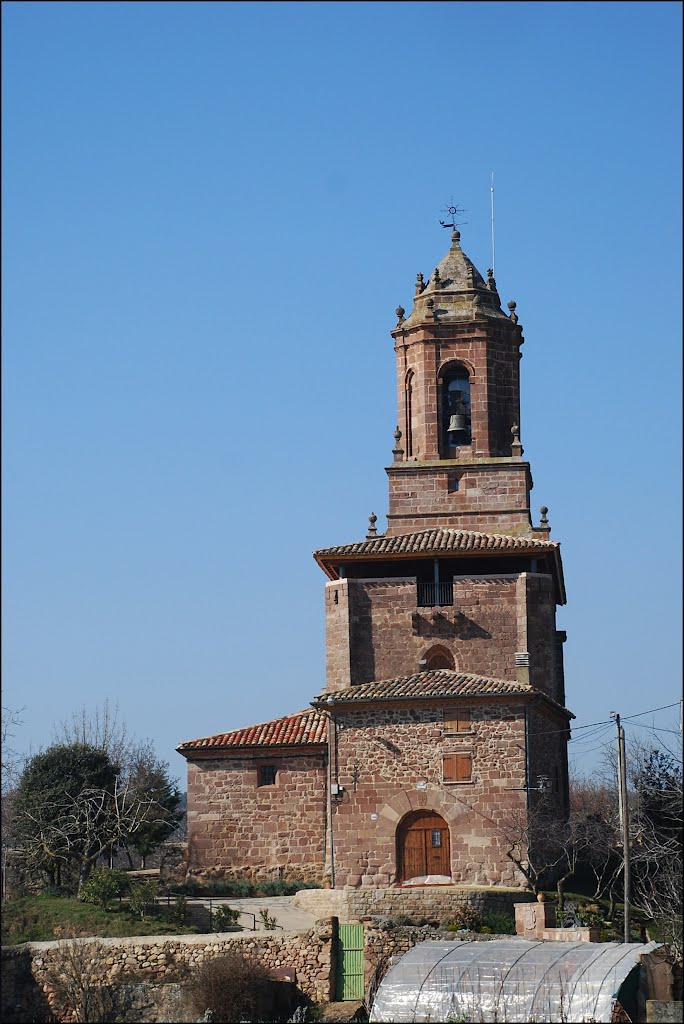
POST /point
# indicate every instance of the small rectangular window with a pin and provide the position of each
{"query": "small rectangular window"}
(457, 720)
(457, 768)
(436, 837)
(454, 481)
(267, 775)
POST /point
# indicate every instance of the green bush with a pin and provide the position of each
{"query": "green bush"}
(143, 897)
(269, 922)
(499, 923)
(240, 888)
(103, 885)
(178, 913)
(464, 919)
(223, 918)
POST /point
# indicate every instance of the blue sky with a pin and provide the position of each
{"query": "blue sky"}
(210, 212)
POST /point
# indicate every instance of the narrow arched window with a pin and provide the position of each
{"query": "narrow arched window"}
(456, 424)
(408, 426)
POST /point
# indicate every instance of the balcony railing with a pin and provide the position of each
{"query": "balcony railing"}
(435, 595)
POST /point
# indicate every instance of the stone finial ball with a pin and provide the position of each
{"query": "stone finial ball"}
(543, 510)
(400, 311)
(540, 897)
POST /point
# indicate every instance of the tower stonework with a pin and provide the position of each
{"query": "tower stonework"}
(480, 482)
(442, 725)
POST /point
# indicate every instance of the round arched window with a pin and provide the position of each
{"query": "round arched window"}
(438, 657)
(456, 426)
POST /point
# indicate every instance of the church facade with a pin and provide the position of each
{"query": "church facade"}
(442, 723)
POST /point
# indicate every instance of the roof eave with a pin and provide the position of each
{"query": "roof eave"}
(523, 695)
(227, 751)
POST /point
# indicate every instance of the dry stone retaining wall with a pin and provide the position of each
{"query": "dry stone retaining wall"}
(434, 903)
(164, 958)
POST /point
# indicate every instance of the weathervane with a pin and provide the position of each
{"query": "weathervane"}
(454, 210)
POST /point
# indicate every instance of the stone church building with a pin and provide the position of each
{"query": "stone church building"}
(443, 715)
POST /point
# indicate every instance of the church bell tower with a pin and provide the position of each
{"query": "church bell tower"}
(457, 455)
(461, 579)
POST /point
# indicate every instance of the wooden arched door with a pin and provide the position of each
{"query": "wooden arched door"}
(423, 846)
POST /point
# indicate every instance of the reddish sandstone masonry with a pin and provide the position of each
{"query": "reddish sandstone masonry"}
(470, 496)
(490, 354)
(375, 629)
(383, 753)
(237, 829)
(548, 755)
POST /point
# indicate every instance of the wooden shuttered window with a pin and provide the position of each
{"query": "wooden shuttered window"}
(457, 720)
(457, 768)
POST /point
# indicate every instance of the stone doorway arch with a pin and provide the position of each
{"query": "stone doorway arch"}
(423, 846)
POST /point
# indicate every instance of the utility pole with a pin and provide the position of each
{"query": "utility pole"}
(624, 818)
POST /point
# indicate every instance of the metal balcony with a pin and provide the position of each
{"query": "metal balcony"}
(435, 595)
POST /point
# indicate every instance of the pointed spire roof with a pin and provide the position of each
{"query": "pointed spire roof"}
(456, 291)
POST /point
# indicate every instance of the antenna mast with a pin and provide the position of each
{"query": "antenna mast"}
(491, 190)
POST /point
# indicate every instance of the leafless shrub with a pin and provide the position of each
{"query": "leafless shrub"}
(76, 988)
(233, 988)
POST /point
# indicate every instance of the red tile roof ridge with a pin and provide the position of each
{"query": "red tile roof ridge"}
(299, 728)
(414, 538)
(435, 683)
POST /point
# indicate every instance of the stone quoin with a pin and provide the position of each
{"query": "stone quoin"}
(443, 714)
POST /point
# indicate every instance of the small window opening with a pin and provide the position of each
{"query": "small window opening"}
(457, 768)
(267, 775)
(438, 657)
(453, 483)
(436, 837)
(457, 720)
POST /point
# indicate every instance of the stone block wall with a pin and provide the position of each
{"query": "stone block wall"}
(164, 958)
(548, 756)
(239, 829)
(433, 902)
(389, 761)
(490, 353)
(488, 496)
(375, 629)
(546, 673)
(337, 635)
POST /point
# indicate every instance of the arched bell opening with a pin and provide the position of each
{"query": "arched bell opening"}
(456, 422)
(423, 849)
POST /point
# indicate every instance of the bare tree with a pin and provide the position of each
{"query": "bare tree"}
(77, 987)
(526, 834)
(102, 728)
(88, 824)
(656, 848)
(594, 807)
(10, 759)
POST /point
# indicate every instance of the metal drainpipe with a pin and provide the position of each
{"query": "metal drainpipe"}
(331, 727)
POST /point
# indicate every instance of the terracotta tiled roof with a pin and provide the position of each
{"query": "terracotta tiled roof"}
(440, 539)
(303, 727)
(424, 685)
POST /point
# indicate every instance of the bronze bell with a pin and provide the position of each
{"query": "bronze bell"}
(457, 423)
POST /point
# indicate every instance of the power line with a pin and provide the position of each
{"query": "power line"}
(652, 711)
(606, 721)
(655, 728)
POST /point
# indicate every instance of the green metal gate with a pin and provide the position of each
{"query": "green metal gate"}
(349, 980)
